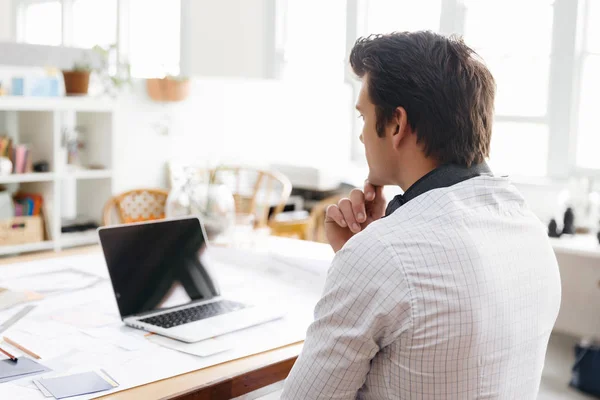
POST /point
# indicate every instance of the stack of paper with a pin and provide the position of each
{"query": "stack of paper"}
(10, 298)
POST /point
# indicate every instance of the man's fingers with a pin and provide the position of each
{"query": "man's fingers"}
(334, 214)
(357, 198)
(370, 191)
(345, 206)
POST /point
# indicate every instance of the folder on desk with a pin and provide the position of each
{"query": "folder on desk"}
(78, 384)
(12, 370)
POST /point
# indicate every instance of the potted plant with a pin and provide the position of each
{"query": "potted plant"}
(112, 82)
(169, 88)
(77, 80)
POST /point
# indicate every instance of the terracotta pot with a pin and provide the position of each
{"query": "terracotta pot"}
(76, 82)
(167, 89)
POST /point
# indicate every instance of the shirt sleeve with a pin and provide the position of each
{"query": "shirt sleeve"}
(365, 306)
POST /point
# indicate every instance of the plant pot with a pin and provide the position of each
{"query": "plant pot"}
(168, 89)
(76, 82)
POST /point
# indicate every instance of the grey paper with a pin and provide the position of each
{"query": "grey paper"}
(75, 385)
(10, 370)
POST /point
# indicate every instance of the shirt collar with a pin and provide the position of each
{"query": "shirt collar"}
(444, 176)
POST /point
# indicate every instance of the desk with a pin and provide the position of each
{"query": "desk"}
(233, 378)
(579, 263)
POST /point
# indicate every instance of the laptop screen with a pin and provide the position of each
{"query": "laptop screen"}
(157, 265)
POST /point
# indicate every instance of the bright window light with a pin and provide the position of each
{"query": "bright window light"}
(385, 16)
(593, 27)
(94, 23)
(588, 133)
(588, 137)
(519, 149)
(43, 23)
(519, 57)
(155, 36)
(313, 40)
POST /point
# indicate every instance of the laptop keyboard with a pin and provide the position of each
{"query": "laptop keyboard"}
(202, 311)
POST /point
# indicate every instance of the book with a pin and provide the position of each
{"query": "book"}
(21, 159)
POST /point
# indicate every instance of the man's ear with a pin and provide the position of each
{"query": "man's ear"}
(400, 126)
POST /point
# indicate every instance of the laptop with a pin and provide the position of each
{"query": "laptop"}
(161, 279)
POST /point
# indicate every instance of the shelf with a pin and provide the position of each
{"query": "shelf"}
(29, 177)
(78, 239)
(25, 248)
(578, 245)
(89, 174)
(18, 103)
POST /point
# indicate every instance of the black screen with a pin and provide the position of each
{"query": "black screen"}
(157, 265)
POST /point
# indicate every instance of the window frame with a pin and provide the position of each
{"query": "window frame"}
(564, 81)
(122, 34)
(18, 12)
(581, 53)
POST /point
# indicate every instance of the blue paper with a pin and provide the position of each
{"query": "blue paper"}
(35, 86)
(11, 370)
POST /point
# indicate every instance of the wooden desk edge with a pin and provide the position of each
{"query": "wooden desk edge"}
(221, 381)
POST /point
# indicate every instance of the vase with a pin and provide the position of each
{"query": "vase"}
(76, 82)
(212, 203)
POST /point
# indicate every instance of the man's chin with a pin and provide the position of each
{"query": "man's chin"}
(376, 181)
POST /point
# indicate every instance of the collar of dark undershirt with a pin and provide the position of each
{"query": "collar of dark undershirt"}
(444, 176)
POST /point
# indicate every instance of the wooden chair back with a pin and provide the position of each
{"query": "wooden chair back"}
(255, 191)
(315, 229)
(135, 206)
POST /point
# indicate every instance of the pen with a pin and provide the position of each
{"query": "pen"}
(23, 349)
(13, 358)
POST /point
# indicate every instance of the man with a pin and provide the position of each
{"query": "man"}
(453, 294)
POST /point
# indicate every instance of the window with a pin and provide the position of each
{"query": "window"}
(150, 29)
(94, 23)
(519, 59)
(531, 49)
(154, 38)
(42, 23)
(313, 50)
(384, 16)
(588, 137)
(519, 148)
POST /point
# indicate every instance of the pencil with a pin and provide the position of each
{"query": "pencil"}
(13, 358)
(23, 349)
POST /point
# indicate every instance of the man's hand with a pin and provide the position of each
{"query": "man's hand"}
(351, 215)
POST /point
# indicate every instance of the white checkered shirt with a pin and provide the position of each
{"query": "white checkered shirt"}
(453, 296)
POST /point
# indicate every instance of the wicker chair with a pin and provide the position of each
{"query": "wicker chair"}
(135, 206)
(254, 190)
(311, 228)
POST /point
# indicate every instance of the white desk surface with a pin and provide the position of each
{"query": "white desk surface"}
(287, 270)
(577, 245)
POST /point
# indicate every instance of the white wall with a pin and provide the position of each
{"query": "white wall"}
(232, 121)
(226, 38)
(6, 20)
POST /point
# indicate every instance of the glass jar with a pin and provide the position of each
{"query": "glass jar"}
(213, 203)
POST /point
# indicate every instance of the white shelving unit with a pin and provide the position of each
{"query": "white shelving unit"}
(39, 123)
(32, 177)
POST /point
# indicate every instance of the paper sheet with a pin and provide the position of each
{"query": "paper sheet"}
(67, 279)
(85, 319)
(12, 391)
(114, 336)
(251, 340)
(203, 348)
(131, 365)
(9, 298)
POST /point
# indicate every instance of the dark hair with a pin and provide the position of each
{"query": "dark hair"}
(446, 90)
